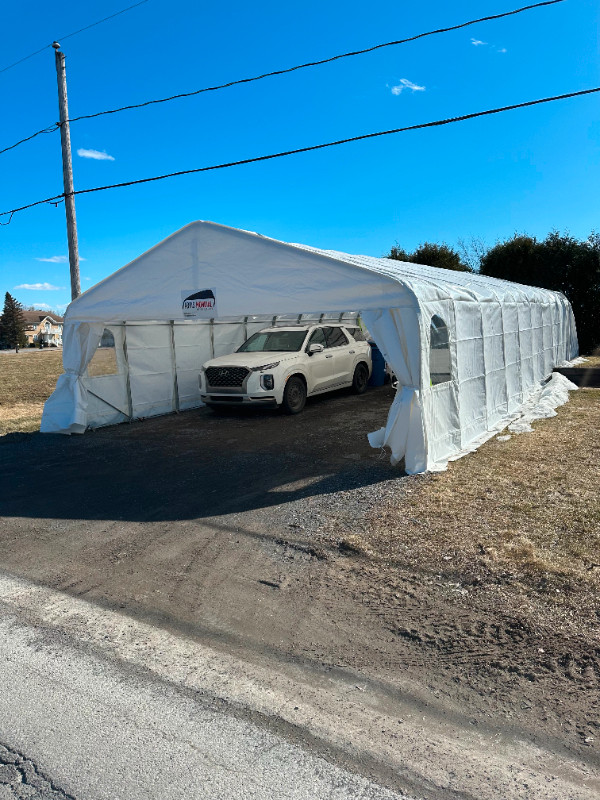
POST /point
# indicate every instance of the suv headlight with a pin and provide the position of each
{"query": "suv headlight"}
(267, 382)
(265, 366)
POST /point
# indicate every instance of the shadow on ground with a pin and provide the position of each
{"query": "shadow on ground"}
(196, 464)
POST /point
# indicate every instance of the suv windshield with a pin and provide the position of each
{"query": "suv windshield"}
(274, 341)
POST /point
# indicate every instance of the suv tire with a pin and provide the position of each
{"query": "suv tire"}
(294, 395)
(360, 379)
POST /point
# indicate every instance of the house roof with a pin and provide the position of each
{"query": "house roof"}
(35, 317)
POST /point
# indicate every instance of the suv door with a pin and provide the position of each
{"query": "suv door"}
(320, 364)
(343, 356)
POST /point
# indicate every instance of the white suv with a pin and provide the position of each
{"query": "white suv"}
(284, 366)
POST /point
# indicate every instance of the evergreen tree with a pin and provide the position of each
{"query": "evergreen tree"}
(12, 323)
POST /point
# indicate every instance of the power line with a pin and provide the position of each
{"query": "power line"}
(100, 21)
(50, 128)
(308, 149)
(295, 68)
(68, 35)
(317, 63)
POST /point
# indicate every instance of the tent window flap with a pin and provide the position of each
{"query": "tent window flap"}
(440, 369)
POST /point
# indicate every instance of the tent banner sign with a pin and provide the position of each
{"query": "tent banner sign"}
(199, 303)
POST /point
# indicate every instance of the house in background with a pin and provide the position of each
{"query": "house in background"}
(42, 327)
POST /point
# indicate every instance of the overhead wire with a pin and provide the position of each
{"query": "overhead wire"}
(306, 65)
(282, 154)
(105, 19)
(318, 63)
(74, 33)
(49, 129)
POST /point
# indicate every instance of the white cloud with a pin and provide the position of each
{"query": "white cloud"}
(46, 307)
(40, 287)
(95, 154)
(57, 259)
(479, 43)
(405, 84)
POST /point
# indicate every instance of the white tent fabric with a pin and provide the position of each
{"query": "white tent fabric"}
(69, 399)
(467, 350)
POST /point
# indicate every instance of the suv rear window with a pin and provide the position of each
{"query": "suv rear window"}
(336, 337)
(357, 334)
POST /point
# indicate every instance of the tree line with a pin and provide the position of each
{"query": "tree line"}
(559, 262)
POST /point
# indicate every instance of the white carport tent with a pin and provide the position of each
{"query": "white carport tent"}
(504, 338)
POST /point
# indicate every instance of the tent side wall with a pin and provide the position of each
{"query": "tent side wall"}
(500, 351)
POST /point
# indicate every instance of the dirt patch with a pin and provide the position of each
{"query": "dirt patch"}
(290, 539)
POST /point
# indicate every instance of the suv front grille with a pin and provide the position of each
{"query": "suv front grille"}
(226, 376)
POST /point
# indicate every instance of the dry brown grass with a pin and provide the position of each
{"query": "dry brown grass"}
(27, 379)
(527, 509)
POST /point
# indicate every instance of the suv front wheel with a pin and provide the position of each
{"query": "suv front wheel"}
(294, 395)
(360, 379)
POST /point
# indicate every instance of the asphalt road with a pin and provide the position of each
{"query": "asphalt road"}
(75, 725)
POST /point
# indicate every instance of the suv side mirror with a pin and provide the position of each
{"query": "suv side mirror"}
(315, 348)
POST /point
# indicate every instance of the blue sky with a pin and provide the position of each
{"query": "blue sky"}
(531, 170)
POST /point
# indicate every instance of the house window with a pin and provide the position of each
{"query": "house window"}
(440, 370)
(104, 360)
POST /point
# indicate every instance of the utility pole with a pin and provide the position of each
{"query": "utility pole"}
(65, 141)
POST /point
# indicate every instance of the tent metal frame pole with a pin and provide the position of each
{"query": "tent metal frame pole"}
(504, 355)
(175, 400)
(212, 338)
(486, 382)
(127, 380)
(520, 352)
